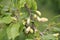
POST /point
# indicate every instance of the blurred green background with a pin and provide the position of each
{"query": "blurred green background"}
(49, 8)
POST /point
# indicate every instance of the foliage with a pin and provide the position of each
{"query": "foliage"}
(20, 20)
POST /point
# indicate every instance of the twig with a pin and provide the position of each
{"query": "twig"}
(31, 18)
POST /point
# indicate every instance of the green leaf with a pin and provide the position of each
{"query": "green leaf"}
(34, 5)
(22, 2)
(5, 2)
(13, 30)
(18, 3)
(56, 29)
(48, 37)
(3, 34)
(56, 19)
(8, 14)
(6, 19)
(31, 4)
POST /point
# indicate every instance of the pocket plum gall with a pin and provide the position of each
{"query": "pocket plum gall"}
(39, 13)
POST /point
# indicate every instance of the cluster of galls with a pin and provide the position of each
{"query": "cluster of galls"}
(29, 26)
(43, 19)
